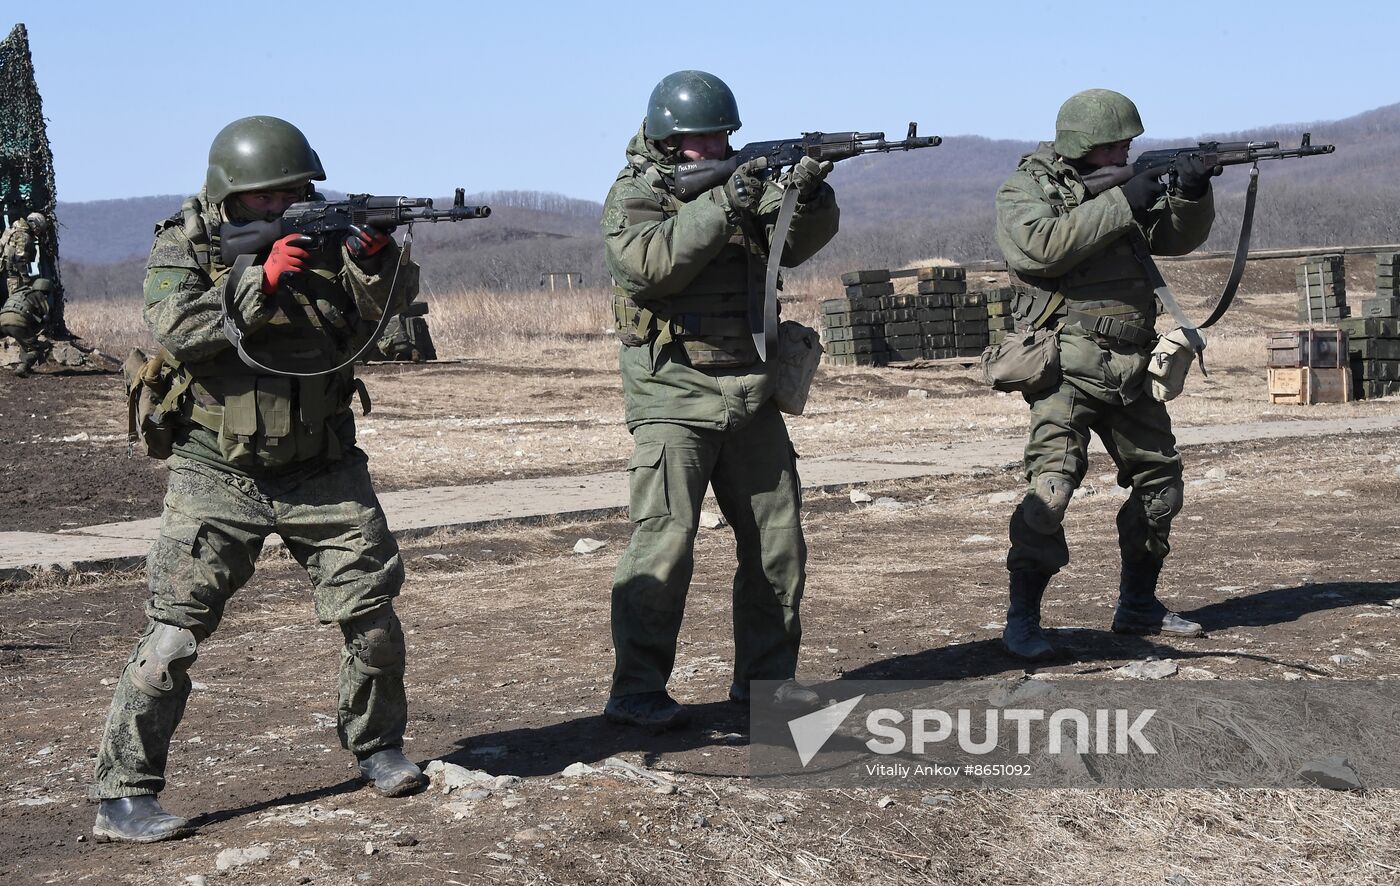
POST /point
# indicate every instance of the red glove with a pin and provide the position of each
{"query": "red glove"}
(287, 257)
(366, 241)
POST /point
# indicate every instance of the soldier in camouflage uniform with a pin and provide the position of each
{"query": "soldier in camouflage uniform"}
(256, 452)
(22, 316)
(1077, 261)
(20, 249)
(698, 402)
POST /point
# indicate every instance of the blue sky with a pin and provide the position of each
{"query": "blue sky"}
(420, 97)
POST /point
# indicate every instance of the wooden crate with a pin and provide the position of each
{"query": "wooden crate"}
(1319, 348)
(1304, 385)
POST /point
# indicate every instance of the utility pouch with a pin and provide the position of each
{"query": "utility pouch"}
(1171, 360)
(799, 353)
(1026, 362)
(150, 414)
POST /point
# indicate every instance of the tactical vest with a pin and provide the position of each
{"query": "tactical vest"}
(709, 318)
(1107, 293)
(264, 420)
(14, 261)
(24, 307)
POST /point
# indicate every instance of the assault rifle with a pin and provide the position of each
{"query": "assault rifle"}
(318, 218)
(314, 219)
(698, 176)
(1215, 155)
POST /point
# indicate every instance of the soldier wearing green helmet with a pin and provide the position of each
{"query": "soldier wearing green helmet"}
(1078, 263)
(699, 403)
(257, 451)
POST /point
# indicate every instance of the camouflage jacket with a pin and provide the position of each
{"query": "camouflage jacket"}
(19, 251)
(26, 308)
(655, 254)
(1051, 231)
(315, 320)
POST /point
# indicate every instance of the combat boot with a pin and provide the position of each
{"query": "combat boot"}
(1022, 635)
(391, 773)
(790, 695)
(137, 820)
(1140, 612)
(657, 711)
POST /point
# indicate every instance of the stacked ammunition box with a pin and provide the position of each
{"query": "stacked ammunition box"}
(1386, 302)
(1322, 290)
(853, 327)
(1373, 344)
(999, 319)
(1309, 366)
(871, 325)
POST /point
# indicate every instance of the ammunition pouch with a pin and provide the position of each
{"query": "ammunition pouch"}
(153, 396)
(1026, 362)
(1171, 360)
(799, 354)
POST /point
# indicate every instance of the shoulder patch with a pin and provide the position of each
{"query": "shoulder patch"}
(160, 282)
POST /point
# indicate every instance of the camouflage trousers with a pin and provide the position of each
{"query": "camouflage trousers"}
(212, 530)
(31, 349)
(753, 471)
(1138, 436)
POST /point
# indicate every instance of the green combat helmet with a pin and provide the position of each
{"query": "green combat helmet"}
(259, 153)
(691, 101)
(1094, 117)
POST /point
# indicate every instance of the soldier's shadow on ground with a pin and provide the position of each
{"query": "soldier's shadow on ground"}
(1281, 605)
(546, 750)
(311, 795)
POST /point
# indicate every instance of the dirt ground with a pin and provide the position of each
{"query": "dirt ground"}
(510, 658)
(1288, 552)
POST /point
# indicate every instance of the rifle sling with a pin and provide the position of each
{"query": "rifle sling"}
(1164, 295)
(1227, 295)
(764, 325)
(234, 332)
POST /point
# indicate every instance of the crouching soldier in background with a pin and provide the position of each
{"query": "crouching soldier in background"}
(22, 317)
(1081, 265)
(699, 403)
(254, 451)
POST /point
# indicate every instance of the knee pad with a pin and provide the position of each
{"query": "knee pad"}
(1044, 506)
(164, 654)
(375, 642)
(1163, 503)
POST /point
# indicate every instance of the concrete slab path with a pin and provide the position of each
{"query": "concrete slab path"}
(418, 511)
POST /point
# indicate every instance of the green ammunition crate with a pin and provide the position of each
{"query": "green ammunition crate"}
(939, 341)
(970, 315)
(930, 287)
(909, 328)
(942, 272)
(936, 327)
(1379, 307)
(867, 290)
(859, 346)
(1370, 327)
(856, 278)
(849, 333)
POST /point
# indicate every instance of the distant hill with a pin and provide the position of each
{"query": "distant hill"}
(896, 209)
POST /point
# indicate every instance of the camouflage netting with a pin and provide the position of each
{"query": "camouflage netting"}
(26, 161)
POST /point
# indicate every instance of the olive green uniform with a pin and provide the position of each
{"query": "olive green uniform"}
(1057, 239)
(22, 315)
(256, 454)
(699, 405)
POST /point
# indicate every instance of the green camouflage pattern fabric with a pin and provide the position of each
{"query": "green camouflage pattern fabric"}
(1095, 117)
(17, 256)
(183, 306)
(212, 529)
(652, 257)
(1083, 250)
(695, 427)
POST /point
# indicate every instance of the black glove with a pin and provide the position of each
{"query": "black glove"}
(745, 188)
(1193, 176)
(1143, 191)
